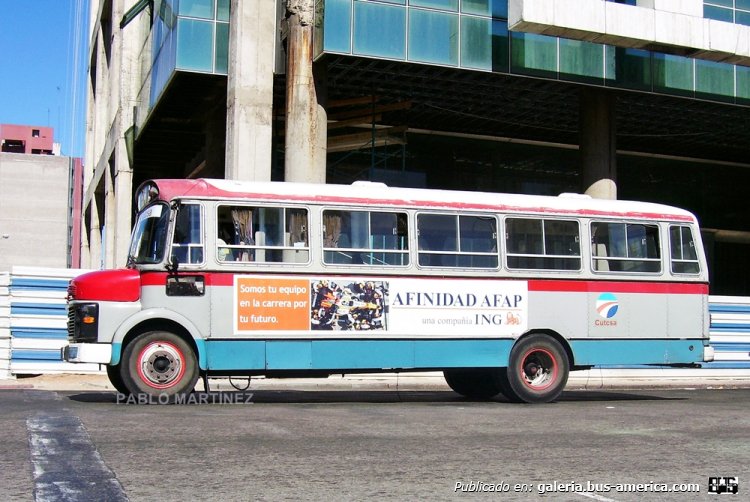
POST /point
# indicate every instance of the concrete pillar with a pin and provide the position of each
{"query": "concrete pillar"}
(253, 33)
(122, 187)
(95, 232)
(306, 121)
(598, 143)
(215, 152)
(110, 216)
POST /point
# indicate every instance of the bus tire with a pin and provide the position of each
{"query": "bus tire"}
(473, 383)
(159, 364)
(537, 371)
(115, 378)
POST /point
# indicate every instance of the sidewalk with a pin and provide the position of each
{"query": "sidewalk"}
(426, 381)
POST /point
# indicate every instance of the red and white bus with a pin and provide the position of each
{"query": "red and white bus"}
(506, 294)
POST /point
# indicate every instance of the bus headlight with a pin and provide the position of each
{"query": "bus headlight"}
(83, 322)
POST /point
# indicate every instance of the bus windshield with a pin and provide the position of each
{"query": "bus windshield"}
(150, 235)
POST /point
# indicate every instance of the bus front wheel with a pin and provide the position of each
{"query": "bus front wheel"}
(537, 371)
(473, 383)
(159, 364)
(115, 378)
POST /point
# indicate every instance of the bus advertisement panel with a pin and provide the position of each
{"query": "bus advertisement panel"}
(414, 307)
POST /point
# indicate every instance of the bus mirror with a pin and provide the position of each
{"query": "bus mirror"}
(174, 264)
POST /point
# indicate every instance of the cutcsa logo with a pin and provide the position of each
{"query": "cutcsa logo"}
(607, 305)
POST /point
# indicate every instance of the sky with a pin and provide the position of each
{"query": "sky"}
(42, 75)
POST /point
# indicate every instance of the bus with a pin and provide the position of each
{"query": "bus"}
(503, 293)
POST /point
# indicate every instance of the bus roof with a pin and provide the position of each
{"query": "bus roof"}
(363, 193)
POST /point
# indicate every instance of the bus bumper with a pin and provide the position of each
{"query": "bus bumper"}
(87, 353)
(708, 354)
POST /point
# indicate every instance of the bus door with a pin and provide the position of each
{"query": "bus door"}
(633, 306)
(187, 291)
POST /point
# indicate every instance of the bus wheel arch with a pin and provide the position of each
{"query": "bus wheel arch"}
(538, 367)
(473, 383)
(159, 358)
(557, 336)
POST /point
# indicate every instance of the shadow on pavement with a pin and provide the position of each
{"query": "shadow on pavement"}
(358, 396)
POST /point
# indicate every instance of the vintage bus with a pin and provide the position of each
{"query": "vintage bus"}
(505, 294)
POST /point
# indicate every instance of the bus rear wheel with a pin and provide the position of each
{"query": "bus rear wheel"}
(473, 383)
(537, 372)
(159, 364)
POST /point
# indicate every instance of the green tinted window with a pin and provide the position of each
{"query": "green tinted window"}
(197, 8)
(436, 4)
(741, 17)
(714, 78)
(337, 26)
(222, 47)
(724, 3)
(222, 10)
(718, 13)
(379, 30)
(629, 68)
(500, 46)
(195, 45)
(743, 82)
(495, 8)
(673, 74)
(433, 37)
(476, 42)
(581, 58)
(532, 54)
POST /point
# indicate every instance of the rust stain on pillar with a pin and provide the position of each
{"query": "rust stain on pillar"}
(305, 159)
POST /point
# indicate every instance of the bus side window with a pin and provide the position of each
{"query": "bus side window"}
(465, 241)
(543, 244)
(262, 234)
(336, 230)
(365, 238)
(478, 241)
(295, 236)
(437, 236)
(625, 247)
(684, 258)
(187, 245)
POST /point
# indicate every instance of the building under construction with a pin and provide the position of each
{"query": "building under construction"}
(632, 99)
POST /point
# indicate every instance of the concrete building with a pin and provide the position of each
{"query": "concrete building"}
(40, 207)
(634, 99)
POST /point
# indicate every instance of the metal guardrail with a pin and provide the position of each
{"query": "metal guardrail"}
(730, 331)
(4, 324)
(38, 321)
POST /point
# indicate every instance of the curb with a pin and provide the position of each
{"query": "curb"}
(413, 382)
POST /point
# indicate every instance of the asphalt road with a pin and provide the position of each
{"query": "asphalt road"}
(349, 445)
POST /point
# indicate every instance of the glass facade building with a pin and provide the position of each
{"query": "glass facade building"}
(443, 107)
(473, 34)
(188, 35)
(731, 11)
